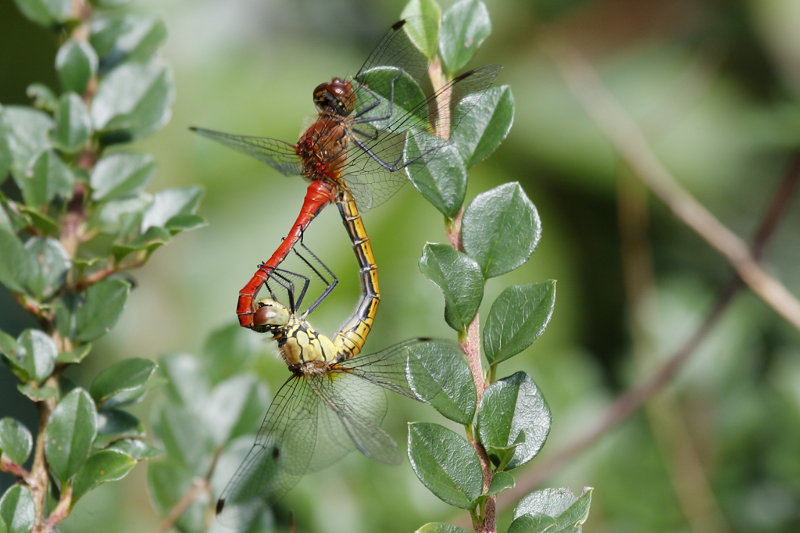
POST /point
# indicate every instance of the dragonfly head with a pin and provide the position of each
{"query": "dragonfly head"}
(271, 314)
(335, 97)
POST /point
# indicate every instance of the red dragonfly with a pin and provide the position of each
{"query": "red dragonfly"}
(359, 139)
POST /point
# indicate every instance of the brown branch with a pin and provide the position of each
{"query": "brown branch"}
(630, 143)
(199, 486)
(60, 512)
(14, 469)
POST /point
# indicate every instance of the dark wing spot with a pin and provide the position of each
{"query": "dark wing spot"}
(399, 24)
(220, 505)
(276, 453)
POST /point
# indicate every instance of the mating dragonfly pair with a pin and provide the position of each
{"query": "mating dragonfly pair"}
(369, 132)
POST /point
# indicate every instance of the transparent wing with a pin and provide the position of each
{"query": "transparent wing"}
(278, 154)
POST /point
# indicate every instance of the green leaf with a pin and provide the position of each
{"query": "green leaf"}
(170, 203)
(73, 124)
(133, 101)
(50, 178)
(483, 120)
(126, 37)
(76, 64)
(152, 239)
(512, 411)
(445, 463)
(186, 222)
(116, 424)
(464, 27)
(500, 229)
(43, 98)
(17, 509)
(36, 355)
(123, 383)
(120, 217)
(442, 180)
(15, 262)
(440, 527)
(235, 407)
(75, 356)
(39, 220)
(567, 510)
(527, 523)
(101, 309)
(47, 13)
(37, 394)
(8, 345)
(167, 483)
(381, 80)
(460, 279)
(51, 266)
(184, 436)
(102, 467)
(71, 429)
(439, 375)
(517, 318)
(422, 25)
(187, 383)
(121, 174)
(26, 133)
(501, 481)
(15, 440)
(136, 448)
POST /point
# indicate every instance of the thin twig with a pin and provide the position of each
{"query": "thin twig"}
(631, 145)
(60, 512)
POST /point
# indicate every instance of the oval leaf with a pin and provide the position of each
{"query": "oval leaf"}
(483, 121)
(17, 509)
(442, 180)
(119, 175)
(170, 203)
(567, 510)
(70, 431)
(115, 424)
(422, 25)
(76, 64)
(26, 133)
(103, 305)
(15, 440)
(123, 383)
(15, 262)
(460, 279)
(513, 413)
(50, 178)
(439, 375)
(47, 13)
(73, 124)
(500, 229)
(52, 263)
(126, 37)
(518, 317)
(440, 527)
(102, 467)
(36, 354)
(445, 463)
(464, 27)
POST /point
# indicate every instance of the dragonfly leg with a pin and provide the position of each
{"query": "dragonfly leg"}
(361, 119)
(329, 284)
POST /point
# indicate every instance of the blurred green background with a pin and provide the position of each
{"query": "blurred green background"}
(715, 86)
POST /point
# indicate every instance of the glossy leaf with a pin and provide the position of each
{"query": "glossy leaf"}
(441, 377)
(517, 318)
(126, 37)
(464, 27)
(47, 13)
(120, 217)
(26, 133)
(136, 448)
(43, 98)
(101, 467)
(539, 523)
(123, 383)
(170, 203)
(567, 510)
(500, 229)
(17, 509)
(442, 180)
(460, 279)
(75, 356)
(483, 121)
(45, 224)
(103, 305)
(185, 222)
(440, 527)
(37, 394)
(501, 481)
(51, 266)
(132, 101)
(71, 429)
(8, 345)
(115, 424)
(73, 124)
(149, 241)
(513, 412)
(121, 174)
(16, 441)
(36, 354)
(76, 63)
(445, 463)
(50, 178)
(15, 262)
(422, 25)
(235, 406)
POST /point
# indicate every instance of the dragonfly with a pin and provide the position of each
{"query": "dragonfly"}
(333, 401)
(359, 141)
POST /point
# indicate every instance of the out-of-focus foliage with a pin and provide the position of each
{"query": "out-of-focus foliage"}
(715, 87)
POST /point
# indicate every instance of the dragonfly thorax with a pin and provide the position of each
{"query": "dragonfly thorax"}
(335, 98)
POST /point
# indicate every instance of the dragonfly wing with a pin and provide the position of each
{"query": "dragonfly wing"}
(280, 456)
(278, 154)
(357, 408)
